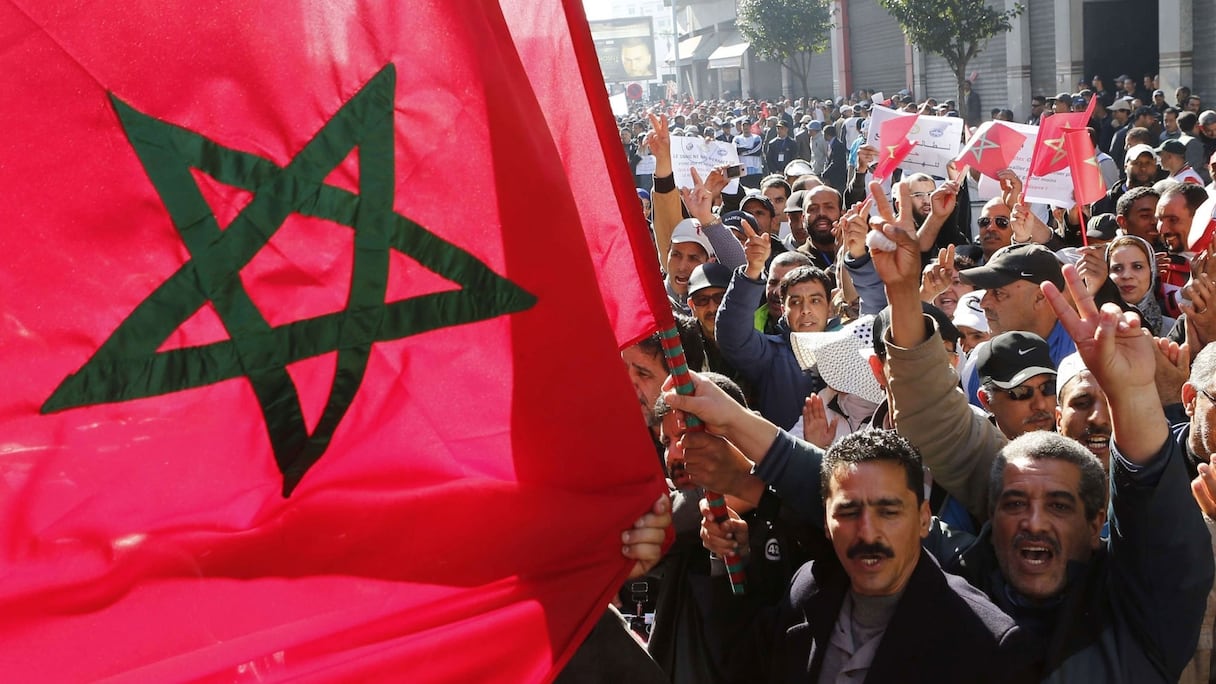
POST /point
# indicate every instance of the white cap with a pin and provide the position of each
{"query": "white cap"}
(968, 311)
(689, 230)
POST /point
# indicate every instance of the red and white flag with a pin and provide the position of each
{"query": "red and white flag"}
(1049, 154)
(292, 392)
(1087, 184)
(991, 148)
(895, 145)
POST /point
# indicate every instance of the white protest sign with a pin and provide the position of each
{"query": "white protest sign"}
(646, 165)
(689, 152)
(938, 140)
(1054, 189)
(619, 104)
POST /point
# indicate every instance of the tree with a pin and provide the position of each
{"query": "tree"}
(957, 30)
(789, 32)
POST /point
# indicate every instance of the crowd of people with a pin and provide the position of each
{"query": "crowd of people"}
(954, 447)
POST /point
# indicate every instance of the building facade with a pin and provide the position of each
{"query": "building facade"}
(1054, 44)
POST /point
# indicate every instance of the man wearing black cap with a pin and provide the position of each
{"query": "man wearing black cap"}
(1013, 300)
(1017, 382)
(1062, 103)
(1171, 154)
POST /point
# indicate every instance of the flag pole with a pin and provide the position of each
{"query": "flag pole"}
(674, 351)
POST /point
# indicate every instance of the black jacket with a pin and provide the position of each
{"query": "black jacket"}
(943, 630)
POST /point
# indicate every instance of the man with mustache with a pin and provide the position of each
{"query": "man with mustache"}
(858, 615)
(1017, 382)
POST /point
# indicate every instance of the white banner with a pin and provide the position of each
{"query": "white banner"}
(1054, 189)
(938, 140)
(691, 152)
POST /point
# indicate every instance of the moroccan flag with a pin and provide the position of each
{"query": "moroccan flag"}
(1049, 155)
(303, 376)
(894, 145)
(1087, 184)
(991, 148)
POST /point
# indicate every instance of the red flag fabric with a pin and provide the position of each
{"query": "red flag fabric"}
(1087, 184)
(991, 148)
(284, 341)
(1049, 155)
(547, 37)
(895, 145)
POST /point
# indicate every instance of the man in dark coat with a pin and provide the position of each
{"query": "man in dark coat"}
(861, 615)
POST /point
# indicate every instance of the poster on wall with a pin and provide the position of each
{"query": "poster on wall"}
(625, 48)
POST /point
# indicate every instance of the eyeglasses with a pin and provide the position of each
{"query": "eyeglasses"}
(703, 300)
(1047, 389)
(1001, 222)
(920, 195)
(1210, 397)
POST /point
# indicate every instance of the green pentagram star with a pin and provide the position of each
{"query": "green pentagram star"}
(1057, 147)
(128, 366)
(983, 143)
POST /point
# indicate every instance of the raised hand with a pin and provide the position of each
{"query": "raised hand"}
(853, 226)
(1092, 267)
(1115, 348)
(659, 138)
(1011, 187)
(699, 199)
(943, 200)
(1122, 357)
(900, 267)
(816, 428)
(756, 249)
(938, 275)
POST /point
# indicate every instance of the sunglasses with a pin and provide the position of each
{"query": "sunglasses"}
(1001, 222)
(703, 300)
(1024, 392)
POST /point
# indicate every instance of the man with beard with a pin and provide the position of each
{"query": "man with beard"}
(820, 211)
(1175, 210)
(935, 211)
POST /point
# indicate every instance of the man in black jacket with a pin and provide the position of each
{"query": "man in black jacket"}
(860, 616)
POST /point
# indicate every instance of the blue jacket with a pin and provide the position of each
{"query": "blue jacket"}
(767, 361)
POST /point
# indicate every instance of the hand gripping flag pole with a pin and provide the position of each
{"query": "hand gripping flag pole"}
(674, 351)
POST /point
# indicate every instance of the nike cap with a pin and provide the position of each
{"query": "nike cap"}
(1034, 263)
(1012, 358)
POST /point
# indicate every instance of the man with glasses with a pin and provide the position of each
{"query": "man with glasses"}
(993, 226)
(1017, 382)
(1037, 103)
(1012, 300)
